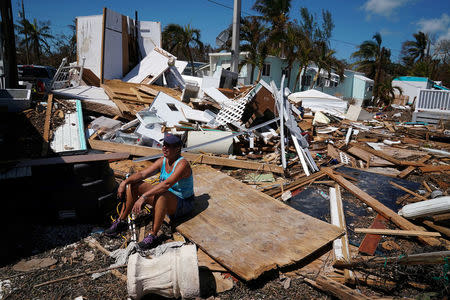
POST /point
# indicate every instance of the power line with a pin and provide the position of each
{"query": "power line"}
(226, 6)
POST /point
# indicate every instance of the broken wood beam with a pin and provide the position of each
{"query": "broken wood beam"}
(335, 288)
(148, 90)
(442, 229)
(388, 157)
(296, 184)
(441, 217)
(380, 208)
(427, 169)
(192, 157)
(409, 169)
(396, 232)
(93, 243)
(408, 191)
(48, 114)
(430, 258)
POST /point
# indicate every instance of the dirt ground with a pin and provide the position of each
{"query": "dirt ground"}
(67, 245)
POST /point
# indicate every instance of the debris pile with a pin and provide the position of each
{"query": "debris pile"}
(354, 204)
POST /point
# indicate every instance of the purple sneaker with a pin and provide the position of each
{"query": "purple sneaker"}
(148, 242)
(117, 227)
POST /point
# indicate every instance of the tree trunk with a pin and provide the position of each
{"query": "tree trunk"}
(259, 75)
(313, 83)
(297, 79)
(191, 60)
(376, 81)
(251, 75)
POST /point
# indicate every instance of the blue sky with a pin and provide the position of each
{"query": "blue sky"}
(355, 21)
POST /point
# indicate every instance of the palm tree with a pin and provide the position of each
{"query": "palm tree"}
(254, 34)
(276, 13)
(325, 60)
(415, 51)
(386, 91)
(38, 34)
(182, 40)
(304, 55)
(291, 47)
(372, 58)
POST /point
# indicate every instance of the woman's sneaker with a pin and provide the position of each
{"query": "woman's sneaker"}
(148, 242)
(117, 227)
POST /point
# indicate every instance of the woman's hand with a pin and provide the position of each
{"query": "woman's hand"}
(138, 205)
(121, 190)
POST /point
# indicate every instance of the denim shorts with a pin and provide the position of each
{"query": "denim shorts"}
(184, 206)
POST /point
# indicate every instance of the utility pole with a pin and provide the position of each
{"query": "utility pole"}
(9, 45)
(25, 32)
(235, 37)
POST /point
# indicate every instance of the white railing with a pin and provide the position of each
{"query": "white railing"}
(433, 100)
(67, 75)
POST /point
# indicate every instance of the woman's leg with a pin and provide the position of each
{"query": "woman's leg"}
(164, 204)
(133, 192)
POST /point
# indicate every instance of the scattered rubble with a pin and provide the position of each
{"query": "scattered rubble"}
(364, 170)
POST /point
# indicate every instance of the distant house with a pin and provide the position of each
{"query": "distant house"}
(354, 85)
(411, 85)
(273, 69)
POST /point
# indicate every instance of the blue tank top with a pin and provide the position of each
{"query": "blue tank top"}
(184, 188)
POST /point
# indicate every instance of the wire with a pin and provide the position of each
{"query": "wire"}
(226, 6)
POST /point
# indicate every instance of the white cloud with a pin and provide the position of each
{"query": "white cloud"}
(434, 25)
(445, 36)
(382, 7)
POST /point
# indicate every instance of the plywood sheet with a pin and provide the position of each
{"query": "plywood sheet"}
(247, 231)
(89, 42)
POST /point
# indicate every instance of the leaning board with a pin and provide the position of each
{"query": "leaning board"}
(248, 231)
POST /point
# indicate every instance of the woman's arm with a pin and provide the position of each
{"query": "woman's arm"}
(139, 176)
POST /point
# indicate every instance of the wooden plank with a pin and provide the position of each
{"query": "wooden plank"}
(140, 98)
(380, 208)
(196, 158)
(296, 184)
(336, 289)
(374, 160)
(125, 55)
(435, 168)
(408, 191)
(122, 107)
(430, 258)
(396, 232)
(48, 114)
(388, 157)
(442, 229)
(370, 242)
(204, 260)
(409, 169)
(71, 159)
(227, 225)
(148, 90)
(441, 217)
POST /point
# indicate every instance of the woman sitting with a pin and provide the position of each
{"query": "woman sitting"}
(173, 195)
